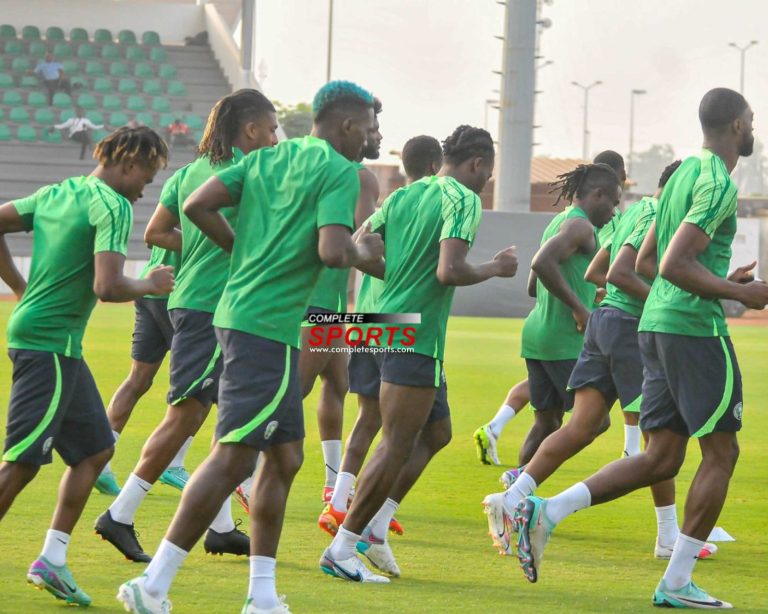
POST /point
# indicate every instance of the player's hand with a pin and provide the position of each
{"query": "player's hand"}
(581, 316)
(600, 295)
(754, 295)
(370, 245)
(743, 274)
(162, 279)
(507, 261)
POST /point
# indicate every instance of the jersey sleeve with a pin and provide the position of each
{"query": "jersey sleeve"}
(461, 211)
(112, 218)
(169, 196)
(714, 200)
(338, 196)
(642, 225)
(26, 206)
(233, 177)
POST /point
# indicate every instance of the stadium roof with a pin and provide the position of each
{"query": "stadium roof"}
(546, 170)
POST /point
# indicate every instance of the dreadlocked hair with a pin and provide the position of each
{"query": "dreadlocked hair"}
(582, 180)
(227, 118)
(467, 142)
(138, 145)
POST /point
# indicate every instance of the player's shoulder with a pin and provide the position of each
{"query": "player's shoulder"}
(453, 191)
(713, 173)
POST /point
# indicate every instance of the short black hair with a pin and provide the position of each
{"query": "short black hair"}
(419, 153)
(340, 97)
(467, 142)
(719, 107)
(612, 159)
(582, 180)
(667, 172)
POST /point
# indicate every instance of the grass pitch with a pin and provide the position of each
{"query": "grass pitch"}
(600, 560)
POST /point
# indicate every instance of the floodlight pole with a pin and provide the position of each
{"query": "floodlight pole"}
(632, 95)
(585, 136)
(330, 41)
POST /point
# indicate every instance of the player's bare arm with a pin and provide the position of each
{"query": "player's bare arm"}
(202, 208)
(10, 221)
(162, 230)
(647, 259)
(622, 274)
(454, 270)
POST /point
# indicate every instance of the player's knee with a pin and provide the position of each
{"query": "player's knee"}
(141, 380)
(440, 435)
(100, 459)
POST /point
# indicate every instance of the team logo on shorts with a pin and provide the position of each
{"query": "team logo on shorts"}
(47, 445)
(208, 383)
(271, 428)
(738, 411)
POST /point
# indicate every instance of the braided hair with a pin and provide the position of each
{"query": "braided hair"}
(140, 145)
(227, 118)
(582, 180)
(467, 142)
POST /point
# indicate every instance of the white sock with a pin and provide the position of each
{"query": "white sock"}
(262, 587)
(55, 547)
(123, 508)
(576, 498)
(223, 522)
(246, 485)
(380, 522)
(178, 460)
(344, 483)
(666, 519)
(631, 439)
(343, 545)
(332, 458)
(681, 563)
(504, 415)
(108, 466)
(163, 568)
(523, 486)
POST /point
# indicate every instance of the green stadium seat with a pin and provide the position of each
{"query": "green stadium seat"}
(102, 36)
(30, 33)
(97, 117)
(152, 87)
(136, 103)
(150, 38)
(2, 114)
(87, 101)
(21, 64)
(79, 82)
(7, 31)
(111, 102)
(135, 54)
(29, 81)
(166, 119)
(94, 68)
(146, 118)
(48, 136)
(71, 67)
(166, 71)
(177, 88)
(126, 37)
(194, 122)
(110, 52)
(118, 119)
(6, 80)
(38, 100)
(127, 86)
(62, 100)
(12, 98)
(37, 49)
(45, 116)
(158, 54)
(161, 105)
(144, 70)
(54, 33)
(14, 47)
(2, 62)
(99, 135)
(78, 35)
(62, 50)
(119, 69)
(65, 115)
(5, 132)
(86, 51)
(18, 115)
(26, 133)
(103, 85)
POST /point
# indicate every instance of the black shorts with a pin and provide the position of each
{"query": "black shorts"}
(54, 405)
(260, 402)
(364, 374)
(418, 370)
(692, 385)
(610, 359)
(152, 330)
(195, 357)
(305, 323)
(548, 383)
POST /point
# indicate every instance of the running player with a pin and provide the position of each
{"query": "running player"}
(487, 436)
(152, 332)
(81, 228)
(429, 227)
(297, 203)
(692, 383)
(238, 124)
(422, 156)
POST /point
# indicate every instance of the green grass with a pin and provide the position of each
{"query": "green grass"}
(599, 560)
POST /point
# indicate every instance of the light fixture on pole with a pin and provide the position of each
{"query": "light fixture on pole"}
(743, 52)
(585, 138)
(632, 95)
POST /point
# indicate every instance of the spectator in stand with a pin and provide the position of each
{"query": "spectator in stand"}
(79, 130)
(52, 75)
(178, 133)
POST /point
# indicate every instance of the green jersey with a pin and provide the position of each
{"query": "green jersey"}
(414, 221)
(631, 230)
(204, 266)
(700, 193)
(605, 233)
(71, 221)
(286, 194)
(549, 331)
(159, 256)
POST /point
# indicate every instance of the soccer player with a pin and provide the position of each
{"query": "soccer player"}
(428, 228)
(692, 383)
(81, 228)
(297, 203)
(422, 156)
(152, 332)
(487, 436)
(238, 124)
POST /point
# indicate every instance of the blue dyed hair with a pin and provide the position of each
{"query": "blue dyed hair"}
(336, 93)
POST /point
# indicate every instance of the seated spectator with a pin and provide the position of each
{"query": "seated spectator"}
(79, 129)
(52, 75)
(178, 134)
